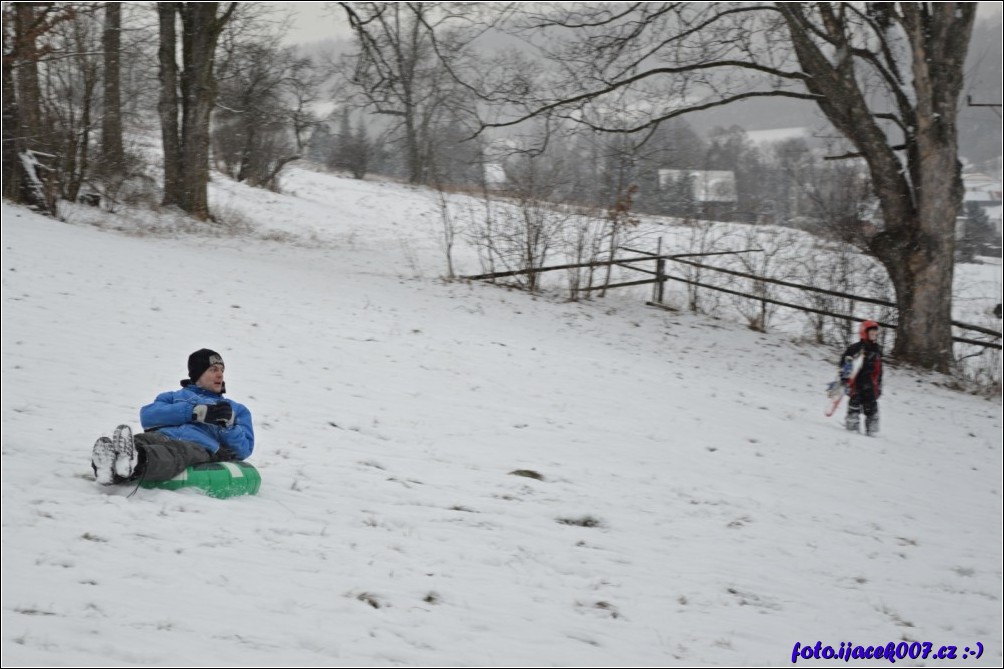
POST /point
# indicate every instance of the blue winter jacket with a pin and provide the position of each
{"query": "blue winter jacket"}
(171, 415)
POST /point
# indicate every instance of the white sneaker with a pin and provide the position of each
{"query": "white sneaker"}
(125, 452)
(103, 461)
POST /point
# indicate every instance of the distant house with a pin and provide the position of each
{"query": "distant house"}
(764, 138)
(713, 192)
(709, 185)
(987, 192)
(982, 189)
(494, 175)
(995, 215)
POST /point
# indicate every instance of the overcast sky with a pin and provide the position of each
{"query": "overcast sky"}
(316, 21)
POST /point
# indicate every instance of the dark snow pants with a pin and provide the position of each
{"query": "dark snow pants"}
(162, 458)
(863, 400)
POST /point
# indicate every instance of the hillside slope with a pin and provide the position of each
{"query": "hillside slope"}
(695, 507)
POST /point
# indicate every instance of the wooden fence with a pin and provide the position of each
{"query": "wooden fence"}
(660, 277)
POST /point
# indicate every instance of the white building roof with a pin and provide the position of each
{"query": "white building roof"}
(762, 137)
(982, 188)
(709, 185)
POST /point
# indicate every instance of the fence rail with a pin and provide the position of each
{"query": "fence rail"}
(661, 276)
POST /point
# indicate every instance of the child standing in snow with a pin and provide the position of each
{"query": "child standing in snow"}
(866, 385)
(186, 427)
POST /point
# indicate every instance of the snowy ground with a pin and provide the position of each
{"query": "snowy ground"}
(695, 509)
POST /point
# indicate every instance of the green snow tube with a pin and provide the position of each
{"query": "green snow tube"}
(218, 479)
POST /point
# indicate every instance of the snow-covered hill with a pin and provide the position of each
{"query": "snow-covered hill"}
(695, 507)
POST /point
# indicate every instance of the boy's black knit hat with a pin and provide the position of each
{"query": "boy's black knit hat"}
(200, 361)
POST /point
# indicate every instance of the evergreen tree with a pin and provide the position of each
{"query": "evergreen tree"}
(350, 150)
(979, 236)
(359, 152)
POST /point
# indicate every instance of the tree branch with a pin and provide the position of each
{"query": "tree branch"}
(590, 95)
(859, 154)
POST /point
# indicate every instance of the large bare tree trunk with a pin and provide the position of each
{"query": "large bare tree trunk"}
(112, 152)
(416, 157)
(198, 90)
(28, 91)
(919, 205)
(186, 154)
(167, 105)
(13, 142)
(939, 39)
(31, 182)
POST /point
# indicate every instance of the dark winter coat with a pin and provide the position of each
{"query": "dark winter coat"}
(869, 377)
(171, 415)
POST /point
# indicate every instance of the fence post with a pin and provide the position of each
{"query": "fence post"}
(660, 274)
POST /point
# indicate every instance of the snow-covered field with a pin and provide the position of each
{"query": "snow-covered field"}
(695, 506)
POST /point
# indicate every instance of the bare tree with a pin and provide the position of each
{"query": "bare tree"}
(526, 231)
(703, 237)
(449, 228)
(620, 218)
(771, 260)
(27, 132)
(112, 151)
(886, 75)
(261, 116)
(351, 149)
(191, 93)
(838, 198)
(920, 195)
(303, 86)
(839, 267)
(479, 231)
(69, 86)
(583, 243)
(402, 69)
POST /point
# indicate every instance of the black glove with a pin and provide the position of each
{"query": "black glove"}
(225, 455)
(221, 414)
